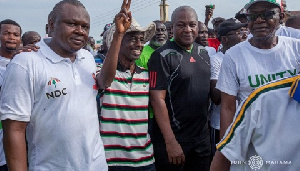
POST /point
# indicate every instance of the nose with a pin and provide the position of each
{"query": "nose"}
(259, 19)
(139, 43)
(79, 29)
(11, 36)
(187, 28)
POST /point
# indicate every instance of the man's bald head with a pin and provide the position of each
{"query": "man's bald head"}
(293, 22)
(30, 37)
(180, 9)
(58, 8)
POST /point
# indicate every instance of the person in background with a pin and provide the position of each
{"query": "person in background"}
(48, 30)
(90, 46)
(106, 27)
(231, 32)
(30, 37)
(293, 22)
(169, 28)
(242, 15)
(202, 39)
(214, 42)
(160, 38)
(10, 39)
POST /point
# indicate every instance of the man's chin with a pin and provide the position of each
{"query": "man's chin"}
(11, 48)
(204, 43)
(263, 36)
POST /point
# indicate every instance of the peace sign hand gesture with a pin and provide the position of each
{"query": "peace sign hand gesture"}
(123, 18)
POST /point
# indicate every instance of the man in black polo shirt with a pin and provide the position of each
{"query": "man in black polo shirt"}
(179, 92)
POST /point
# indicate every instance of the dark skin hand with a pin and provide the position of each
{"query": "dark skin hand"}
(123, 21)
(174, 150)
(208, 14)
(27, 48)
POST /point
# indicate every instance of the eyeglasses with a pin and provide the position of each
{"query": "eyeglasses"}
(265, 16)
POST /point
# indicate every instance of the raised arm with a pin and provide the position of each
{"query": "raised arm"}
(122, 22)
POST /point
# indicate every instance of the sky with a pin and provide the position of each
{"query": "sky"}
(32, 14)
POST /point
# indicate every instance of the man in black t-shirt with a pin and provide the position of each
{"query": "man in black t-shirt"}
(179, 93)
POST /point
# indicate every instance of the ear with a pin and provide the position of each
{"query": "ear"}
(281, 17)
(51, 25)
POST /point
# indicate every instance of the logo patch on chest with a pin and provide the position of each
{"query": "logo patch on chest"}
(192, 59)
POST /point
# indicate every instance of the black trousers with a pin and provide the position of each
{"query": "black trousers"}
(197, 156)
(3, 168)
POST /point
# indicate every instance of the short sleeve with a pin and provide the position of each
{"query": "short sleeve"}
(228, 80)
(215, 68)
(235, 143)
(159, 71)
(16, 94)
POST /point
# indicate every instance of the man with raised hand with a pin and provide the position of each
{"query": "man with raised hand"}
(43, 94)
(125, 96)
(179, 93)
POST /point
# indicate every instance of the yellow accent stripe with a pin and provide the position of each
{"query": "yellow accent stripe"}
(293, 88)
(251, 96)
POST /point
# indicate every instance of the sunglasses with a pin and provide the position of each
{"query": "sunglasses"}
(265, 16)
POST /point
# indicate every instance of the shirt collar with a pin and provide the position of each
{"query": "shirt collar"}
(122, 68)
(188, 51)
(52, 56)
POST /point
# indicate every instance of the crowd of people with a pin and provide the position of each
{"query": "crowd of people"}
(171, 96)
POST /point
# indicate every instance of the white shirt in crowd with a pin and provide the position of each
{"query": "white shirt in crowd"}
(57, 99)
(265, 134)
(288, 32)
(245, 67)
(215, 62)
(3, 63)
(210, 50)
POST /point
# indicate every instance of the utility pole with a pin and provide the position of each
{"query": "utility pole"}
(164, 10)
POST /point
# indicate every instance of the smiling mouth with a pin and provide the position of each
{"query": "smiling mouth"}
(259, 29)
(136, 52)
(11, 43)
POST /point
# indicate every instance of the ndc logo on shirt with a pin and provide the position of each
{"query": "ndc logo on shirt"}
(53, 81)
(56, 93)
